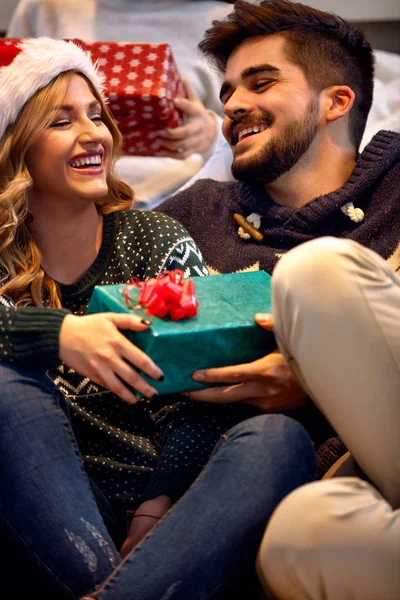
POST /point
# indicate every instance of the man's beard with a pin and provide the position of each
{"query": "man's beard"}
(278, 155)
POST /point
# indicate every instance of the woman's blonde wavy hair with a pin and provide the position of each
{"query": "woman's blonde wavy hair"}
(22, 279)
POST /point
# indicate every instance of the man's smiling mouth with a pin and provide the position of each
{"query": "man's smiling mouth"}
(241, 131)
(250, 131)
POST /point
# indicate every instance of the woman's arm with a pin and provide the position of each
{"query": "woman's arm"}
(38, 338)
(29, 336)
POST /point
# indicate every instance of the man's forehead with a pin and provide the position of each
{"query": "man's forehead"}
(256, 50)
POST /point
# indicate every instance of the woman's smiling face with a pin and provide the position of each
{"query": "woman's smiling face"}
(72, 157)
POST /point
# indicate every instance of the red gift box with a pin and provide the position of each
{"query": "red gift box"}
(141, 81)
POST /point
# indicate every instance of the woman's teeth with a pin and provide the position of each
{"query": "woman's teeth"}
(86, 161)
(251, 130)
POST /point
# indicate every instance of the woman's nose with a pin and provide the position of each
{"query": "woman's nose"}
(91, 133)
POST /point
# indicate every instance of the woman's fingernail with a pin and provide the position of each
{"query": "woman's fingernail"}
(199, 376)
(161, 378)
(146, 322)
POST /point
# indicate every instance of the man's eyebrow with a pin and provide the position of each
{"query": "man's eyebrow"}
(266, 67)
(70, 108)
(248, 72)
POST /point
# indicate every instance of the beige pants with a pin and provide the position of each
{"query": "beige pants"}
(337, 318)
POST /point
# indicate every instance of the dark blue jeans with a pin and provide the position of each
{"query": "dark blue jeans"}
(54, 530)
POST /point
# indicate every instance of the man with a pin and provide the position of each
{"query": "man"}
(297, 90)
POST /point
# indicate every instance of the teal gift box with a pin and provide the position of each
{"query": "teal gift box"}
(223, 332)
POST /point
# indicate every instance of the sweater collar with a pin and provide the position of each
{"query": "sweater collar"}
(381, 154)
(85, 284)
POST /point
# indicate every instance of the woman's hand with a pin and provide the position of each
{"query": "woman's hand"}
(94, 346)
(267, 383)
(197, 134)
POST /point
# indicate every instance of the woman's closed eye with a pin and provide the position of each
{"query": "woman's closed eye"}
(66, 122)
(63, 123)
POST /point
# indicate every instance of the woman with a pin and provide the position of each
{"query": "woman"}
(64, 228)
(180, 23)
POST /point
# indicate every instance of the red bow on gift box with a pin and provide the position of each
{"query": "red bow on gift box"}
(167, 293)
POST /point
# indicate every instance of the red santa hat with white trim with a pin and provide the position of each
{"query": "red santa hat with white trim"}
(31, 64)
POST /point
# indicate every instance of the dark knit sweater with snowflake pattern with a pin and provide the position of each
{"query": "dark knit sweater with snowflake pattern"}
(206, 210)
(159, 445)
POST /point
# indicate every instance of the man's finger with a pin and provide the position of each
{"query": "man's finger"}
(265, 320)
(188, 146)
(190, 108)
(218, 395)
(241, 392)
(179, 134)
(233, 374)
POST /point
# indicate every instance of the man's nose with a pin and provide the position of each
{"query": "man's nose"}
(239, 104)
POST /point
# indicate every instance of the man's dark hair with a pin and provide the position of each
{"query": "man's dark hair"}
(329, 50)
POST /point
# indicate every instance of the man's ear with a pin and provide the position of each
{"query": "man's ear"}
(337, 102)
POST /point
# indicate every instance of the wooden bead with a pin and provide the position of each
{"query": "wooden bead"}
(248, 228)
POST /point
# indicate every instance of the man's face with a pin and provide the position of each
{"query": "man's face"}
(272, 115)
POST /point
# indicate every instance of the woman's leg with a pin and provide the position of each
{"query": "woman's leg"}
(48, 516)
(336, 539)
(337, 320)
(209, 539)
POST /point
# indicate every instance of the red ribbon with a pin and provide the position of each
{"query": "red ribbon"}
(167, 293)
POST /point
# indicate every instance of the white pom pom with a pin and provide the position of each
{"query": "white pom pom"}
(255, 220)
(243, 234)
(355, 214)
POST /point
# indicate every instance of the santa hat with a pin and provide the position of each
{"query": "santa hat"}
(30, 65)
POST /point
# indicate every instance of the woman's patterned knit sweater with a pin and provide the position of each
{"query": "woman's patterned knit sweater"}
(160, 444)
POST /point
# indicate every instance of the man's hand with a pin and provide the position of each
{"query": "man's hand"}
(267, 383)
(95, 348)
(197, 134)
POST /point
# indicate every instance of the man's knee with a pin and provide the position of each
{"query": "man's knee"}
(317, 260)
(316, 541)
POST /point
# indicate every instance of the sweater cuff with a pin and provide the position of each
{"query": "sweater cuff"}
(35, 337)
(170, 483)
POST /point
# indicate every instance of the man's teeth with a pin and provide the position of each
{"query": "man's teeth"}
(86, 161)
(250, 130)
